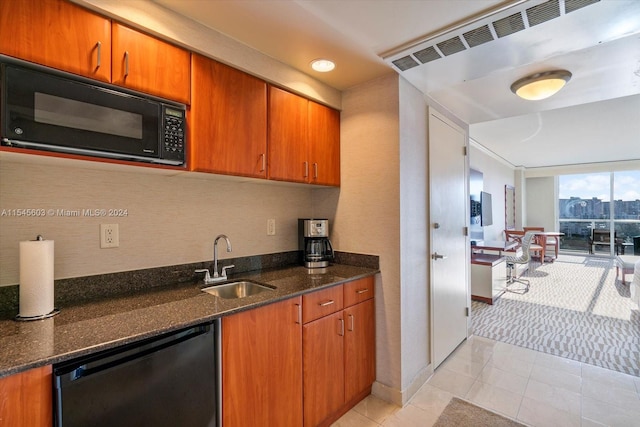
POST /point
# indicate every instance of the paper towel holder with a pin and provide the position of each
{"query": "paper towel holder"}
(42, 316)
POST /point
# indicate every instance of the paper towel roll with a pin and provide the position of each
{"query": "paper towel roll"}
(36, 278)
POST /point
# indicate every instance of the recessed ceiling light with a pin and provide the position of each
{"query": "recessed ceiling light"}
(322, 65)
(541, 85)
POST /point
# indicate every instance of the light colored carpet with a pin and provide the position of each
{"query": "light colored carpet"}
(575, 308)
(460, 413)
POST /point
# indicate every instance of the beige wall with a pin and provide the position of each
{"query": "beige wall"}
(414, 256)
(381, 209)
(367, 209)
(170, 219)
(542, 203)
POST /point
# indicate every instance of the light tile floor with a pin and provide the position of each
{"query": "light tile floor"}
(535, 388)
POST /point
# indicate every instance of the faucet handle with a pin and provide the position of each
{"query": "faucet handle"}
(207, 276)
(223, 274)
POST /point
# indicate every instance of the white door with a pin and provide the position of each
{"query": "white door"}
(447, 207)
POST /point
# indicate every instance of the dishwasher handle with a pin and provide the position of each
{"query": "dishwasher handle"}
(106, 360)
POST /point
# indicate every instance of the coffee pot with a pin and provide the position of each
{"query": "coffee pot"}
(314, 242)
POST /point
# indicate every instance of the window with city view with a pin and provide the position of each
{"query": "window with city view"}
(585, 205)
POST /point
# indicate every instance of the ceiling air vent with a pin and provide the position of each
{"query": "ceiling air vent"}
(427, 55)
(543, 12)
(478, 36)
(571, 5)
(405, 63)
(509, 25)
(451, 46)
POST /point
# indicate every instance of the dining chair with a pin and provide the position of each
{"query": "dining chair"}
(552, 242)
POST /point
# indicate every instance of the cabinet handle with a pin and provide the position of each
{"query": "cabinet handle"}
(341, 333)
(315, 171)
(264, 162)
(326, 303)
(351, 323)
(99, 54)
(126, 63)
(306, 169)
(362, 291)
(299, 314)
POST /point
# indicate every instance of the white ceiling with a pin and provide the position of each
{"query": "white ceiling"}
(595, 118)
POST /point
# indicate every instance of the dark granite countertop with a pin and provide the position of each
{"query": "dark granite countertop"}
(90, 326)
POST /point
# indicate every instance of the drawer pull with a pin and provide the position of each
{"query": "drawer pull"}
(341, 328)
(326, 303)
(351, 323)
(362, 291)
(306, 169)
(299, 319)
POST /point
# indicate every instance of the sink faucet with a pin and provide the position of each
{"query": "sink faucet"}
(223, 275)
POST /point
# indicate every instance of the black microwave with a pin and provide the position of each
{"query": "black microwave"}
(45, 109)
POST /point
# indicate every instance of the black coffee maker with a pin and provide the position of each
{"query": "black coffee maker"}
(313, 238)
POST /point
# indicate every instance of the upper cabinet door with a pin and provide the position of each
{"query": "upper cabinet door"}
(288, 136)
(149, 65)
(324, 145)
(228, 120)
(57, 34)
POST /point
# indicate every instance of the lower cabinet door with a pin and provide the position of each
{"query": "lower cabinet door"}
(26, 398)
(360, 348)
(262, 366)
(323, 361)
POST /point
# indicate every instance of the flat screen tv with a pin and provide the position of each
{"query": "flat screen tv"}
(486, 209)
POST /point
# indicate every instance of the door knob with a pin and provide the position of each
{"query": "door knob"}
(437, 256)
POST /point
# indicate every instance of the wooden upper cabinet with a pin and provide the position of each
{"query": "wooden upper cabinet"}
(288, 136)
(149, 65)
(26, 398)
(57, 34)
(262, 366)
(304, 140)
(324, 145)
(228, 120)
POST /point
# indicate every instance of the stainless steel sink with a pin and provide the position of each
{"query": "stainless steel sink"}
(238, 289)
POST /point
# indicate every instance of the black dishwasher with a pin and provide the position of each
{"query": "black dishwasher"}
(170, 380)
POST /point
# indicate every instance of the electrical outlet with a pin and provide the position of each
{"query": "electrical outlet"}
(109, 237)
(271, 227)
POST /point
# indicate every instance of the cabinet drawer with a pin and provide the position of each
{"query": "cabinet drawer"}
(358, 291)
(321, 303)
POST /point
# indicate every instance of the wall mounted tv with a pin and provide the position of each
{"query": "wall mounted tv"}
(486, 209)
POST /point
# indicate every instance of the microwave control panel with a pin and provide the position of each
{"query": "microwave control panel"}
(174, 133)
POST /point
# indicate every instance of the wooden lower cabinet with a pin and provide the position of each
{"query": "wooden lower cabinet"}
(262, 366)
(338, 353)
(323, 359)
(359, 350)
(26, 399)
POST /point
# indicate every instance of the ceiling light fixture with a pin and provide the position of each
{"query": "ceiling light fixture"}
(322, 65)
(541, 85)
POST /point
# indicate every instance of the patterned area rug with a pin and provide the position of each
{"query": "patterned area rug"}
(460, 413)
(575, 308)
